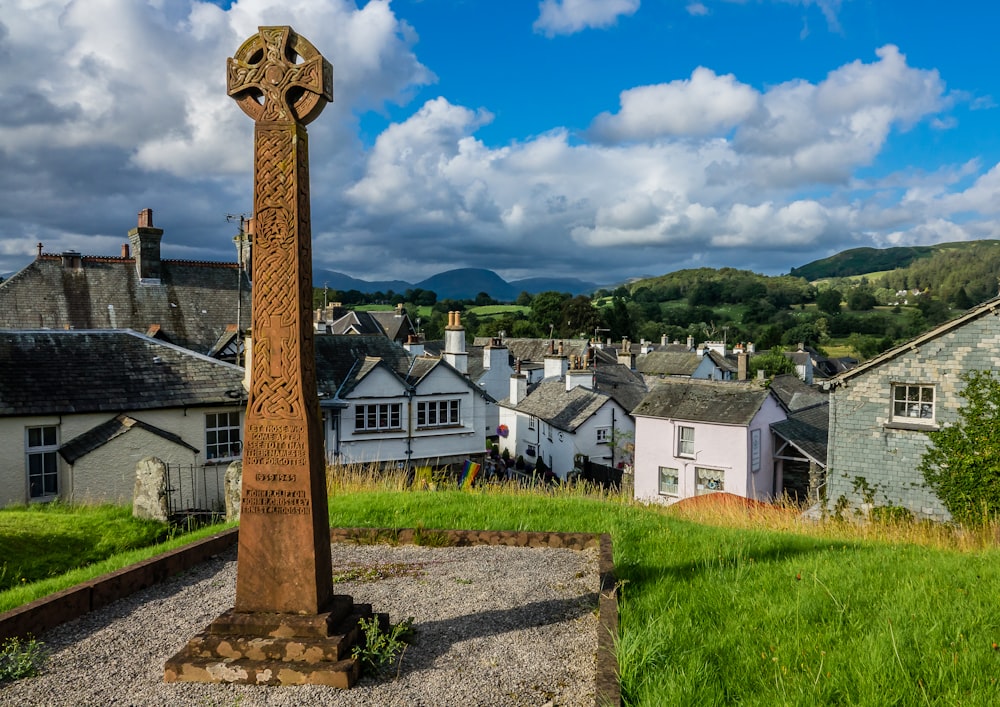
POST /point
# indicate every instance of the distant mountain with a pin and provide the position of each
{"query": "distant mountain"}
(861, 261)
(339, 281)
(534, 285)
(463, 283)
(466, 283)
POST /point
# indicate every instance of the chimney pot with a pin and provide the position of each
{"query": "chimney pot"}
(146, 218)
(125, 250)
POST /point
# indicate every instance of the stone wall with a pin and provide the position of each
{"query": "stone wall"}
(870, 458)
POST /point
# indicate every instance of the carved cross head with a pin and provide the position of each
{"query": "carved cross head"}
(278, 76)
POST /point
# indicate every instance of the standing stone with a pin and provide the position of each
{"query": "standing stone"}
(149, 497)
(287, 626)
(233, 484)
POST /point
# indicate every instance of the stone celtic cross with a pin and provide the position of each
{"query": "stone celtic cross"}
(287, 627)
(279, 79)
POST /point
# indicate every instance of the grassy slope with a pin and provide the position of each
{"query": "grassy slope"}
(42, 540)
(715, 615)
(753, 612)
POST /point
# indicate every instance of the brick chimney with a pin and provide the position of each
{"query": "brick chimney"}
(145, 242)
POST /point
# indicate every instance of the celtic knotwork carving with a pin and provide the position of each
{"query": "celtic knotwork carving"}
(269, 86)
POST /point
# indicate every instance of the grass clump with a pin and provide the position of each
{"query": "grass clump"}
(381, 649)
(21, 659)
(377, 572)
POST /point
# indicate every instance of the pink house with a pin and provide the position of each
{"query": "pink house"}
(695, 437)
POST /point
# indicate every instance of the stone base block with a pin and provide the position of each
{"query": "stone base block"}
(276, 649)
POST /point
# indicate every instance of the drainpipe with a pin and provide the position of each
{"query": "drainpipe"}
(612, 436)
(410, 392)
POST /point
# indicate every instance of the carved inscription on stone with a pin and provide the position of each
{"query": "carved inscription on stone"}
(275, 445)
(268, 446)
(281, 501)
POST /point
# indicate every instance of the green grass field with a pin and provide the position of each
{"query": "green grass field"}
(724, 608)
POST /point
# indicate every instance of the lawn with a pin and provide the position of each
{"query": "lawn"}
(730, 608)
(756, 615)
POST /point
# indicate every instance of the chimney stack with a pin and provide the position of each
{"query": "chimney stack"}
(244, 245)
(518, 387)
(454, 343)
(741, 365)
(145, 242)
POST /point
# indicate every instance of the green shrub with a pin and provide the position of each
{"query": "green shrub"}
(21, 659)
(962, 463)
(381, 649)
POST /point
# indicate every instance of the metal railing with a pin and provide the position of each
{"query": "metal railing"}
(196, 493)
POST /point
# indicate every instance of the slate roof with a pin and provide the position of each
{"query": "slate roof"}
(343, 361)
(538, 349)
(59, 372)
(795, 394)
(668, 363)
(621, 383)
(724, 402)
(808, 429)
(394, 324)
(356, 322)
(97, 437)
(561, 408)
(191, 306)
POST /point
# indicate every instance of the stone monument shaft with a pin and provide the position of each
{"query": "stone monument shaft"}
(284, 545)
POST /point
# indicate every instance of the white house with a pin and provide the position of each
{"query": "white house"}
(383, 405)
(695, 437)
(562, 418)
(79, 409)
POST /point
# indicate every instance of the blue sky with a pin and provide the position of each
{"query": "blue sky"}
(599, 139)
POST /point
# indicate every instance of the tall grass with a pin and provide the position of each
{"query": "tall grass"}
(729, 605)
(723, 604)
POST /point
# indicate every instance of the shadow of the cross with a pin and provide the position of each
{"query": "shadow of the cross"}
(434, 639)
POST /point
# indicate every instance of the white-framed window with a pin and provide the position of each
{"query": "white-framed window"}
(531, 422)
(913, 403)
(438, 413)
(378, 416)
(223, 436)
(41, 449)
(603, 435)
(668, 481)
(708, 480)
(685, 441)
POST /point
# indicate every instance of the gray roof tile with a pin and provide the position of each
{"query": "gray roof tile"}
(703, 401)
(52, 372)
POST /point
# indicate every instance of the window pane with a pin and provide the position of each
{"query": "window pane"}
(35, 437)
(48, 436)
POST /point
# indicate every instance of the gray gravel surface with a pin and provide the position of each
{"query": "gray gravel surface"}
(494, 626)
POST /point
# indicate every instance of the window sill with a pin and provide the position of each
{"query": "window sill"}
(914, 426)
(432, 428)
(378, 432)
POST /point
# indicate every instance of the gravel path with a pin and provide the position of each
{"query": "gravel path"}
(495, 625)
